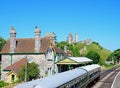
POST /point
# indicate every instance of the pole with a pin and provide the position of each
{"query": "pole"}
(11, 58)
(54, 63)
(68, 66)
(26, 70)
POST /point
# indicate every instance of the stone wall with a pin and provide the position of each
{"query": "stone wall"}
(39, 59)
(6, 61)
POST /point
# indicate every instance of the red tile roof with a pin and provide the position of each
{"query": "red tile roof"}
(58, 50)
(27, 45)
(69, 53)
(17, 65)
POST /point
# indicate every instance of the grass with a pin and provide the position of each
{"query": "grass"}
(104, 53)
(106, 67)
(10, 85)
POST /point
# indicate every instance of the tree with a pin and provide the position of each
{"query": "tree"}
(76, 52)
(115, 55)
(2, 42)
(94, 56)
(32, 72)
(61, 44)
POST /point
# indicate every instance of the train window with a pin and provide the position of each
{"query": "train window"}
(66, 86)
(75, 83)
(90, 76)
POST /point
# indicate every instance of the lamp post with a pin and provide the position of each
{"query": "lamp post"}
(11, 58)
(54, 62)
(28, 60)
(26, 69)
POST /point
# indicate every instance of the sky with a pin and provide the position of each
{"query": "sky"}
(98, 20)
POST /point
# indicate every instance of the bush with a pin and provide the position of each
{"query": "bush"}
(2, 83)
(101, 62)
(32, 72)
(94, 56)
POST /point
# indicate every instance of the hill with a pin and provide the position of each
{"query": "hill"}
(81, 49)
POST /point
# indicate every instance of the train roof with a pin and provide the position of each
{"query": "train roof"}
(58, 79)
(54, 80)
(30, 84)
(91, 67)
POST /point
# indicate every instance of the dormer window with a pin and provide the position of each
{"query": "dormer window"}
(50, 54)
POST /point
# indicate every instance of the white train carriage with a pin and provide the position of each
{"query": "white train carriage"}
(76, 78)
(93, 72)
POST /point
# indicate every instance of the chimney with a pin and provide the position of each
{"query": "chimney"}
(65, 49)
(53, 38)
(12, 40)
(37, 39)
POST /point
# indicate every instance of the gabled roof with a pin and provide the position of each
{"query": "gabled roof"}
(16, 66)
(75, 60)
(27, 45)
(67, 61)
(12, 72)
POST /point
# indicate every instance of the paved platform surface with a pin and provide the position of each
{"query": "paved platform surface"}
(116, 83)
(108, 78)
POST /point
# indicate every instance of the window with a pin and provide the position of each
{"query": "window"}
(50, 54)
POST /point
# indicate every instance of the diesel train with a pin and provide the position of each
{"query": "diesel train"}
(77, 78)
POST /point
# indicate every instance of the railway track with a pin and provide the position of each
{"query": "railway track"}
(106, 78)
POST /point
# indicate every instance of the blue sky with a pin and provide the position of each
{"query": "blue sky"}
(95, 19)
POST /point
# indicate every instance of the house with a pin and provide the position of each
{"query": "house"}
(39, 50)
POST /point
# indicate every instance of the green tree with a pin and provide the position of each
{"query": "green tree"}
(95, 43)
(76, 52)
(62, 44)
(94, 56)
(32, 72)
(2, 42)
(115, 55)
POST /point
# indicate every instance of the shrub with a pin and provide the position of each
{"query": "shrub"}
(2, 83)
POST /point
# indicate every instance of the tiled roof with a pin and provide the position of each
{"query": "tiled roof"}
(69, 53)
(17, 65)
(59, 50)
(45, 42)
(22, 45)
(6, 47)
(27, 45)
